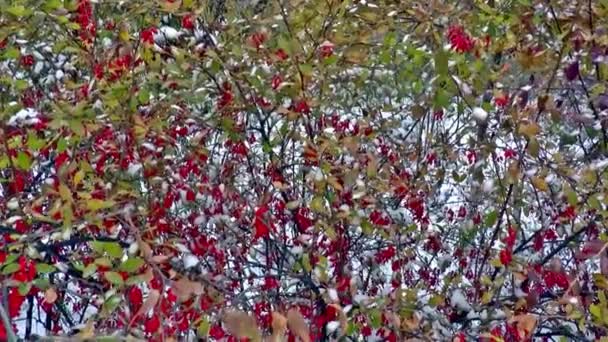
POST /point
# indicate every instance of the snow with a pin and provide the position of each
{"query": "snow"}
(479, 114)
(459, 301)
(24, 116)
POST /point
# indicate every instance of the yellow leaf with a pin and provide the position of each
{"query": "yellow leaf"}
(356, 54)
(529, 129)
(65, 193)
(95, 204)
(78, 177)
(540, 183)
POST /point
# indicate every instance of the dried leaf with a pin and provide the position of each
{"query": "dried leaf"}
(591, 249)
(50, 295)
(87, 332)
(185, 288)
(530, 129)
(241, 325)
(279, 325)
(297, 324)
(604, 264)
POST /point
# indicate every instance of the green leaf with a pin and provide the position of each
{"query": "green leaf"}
(135, 280)
(41, 283)
(441, 63)
(18, 11)
(113, 249)
(10, 268)
(23, 161)
(203, 327)
(10, 258)
(596, 311)
(375, 318)
(491, 218)
(306, 69)
(35, 143)
(114, 278)
(110, 305)
(144, 96)
(51, 5)
(11, 53)
(131, 265)
(89, 270)
(45, 268)
(24, 288)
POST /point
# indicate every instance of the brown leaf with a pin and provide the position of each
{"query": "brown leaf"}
(298, 326)
(241, 325)
(50, 295)
(604, 264)
(185, 288)
(147, 305)
(279, 325)
(590, 249)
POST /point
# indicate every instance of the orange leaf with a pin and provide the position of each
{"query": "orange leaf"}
(525, 324)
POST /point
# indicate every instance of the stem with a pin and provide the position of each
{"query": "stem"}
(6, 321)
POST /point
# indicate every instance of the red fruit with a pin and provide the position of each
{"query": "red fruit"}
(152, 324)
(61, 159)
(216, 332)
(326, 49)
(190, 196)
(571, 71)
(506, 257)
(257, 39)
(135, 298)
(281, 54)
(276, 81)
(21, 227)
(188, 22)
(27, 60)
(18, 183)
(502, 100)
(262, 228)
(147, 35)
(461, 42)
